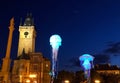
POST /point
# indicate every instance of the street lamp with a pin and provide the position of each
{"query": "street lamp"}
(55, 42)
(97, 81)
(66, 81)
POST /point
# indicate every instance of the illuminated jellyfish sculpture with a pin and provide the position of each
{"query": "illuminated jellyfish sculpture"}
(86, 61)
(55, 42)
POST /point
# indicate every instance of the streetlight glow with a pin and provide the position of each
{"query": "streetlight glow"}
(28, 81)
(97, 81)
(66, 81)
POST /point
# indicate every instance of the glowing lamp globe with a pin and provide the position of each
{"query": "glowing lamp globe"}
(55, 41)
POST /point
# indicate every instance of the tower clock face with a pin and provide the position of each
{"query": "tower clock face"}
(26, 34)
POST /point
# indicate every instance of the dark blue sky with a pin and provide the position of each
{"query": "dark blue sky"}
(86, 26)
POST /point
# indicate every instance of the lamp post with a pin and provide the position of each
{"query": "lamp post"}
(55, 42)
(86, 61)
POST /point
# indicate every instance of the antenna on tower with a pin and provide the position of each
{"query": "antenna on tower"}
(20, 21)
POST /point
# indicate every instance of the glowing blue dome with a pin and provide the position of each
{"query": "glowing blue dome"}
(55, 41)
(86, 57)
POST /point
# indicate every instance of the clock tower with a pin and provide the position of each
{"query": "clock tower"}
(27, 36)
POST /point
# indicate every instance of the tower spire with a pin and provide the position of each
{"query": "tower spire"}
(29, 20)
(20, 21)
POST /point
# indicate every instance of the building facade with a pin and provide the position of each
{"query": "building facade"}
(29, 66)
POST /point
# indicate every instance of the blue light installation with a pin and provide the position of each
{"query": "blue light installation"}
(55, 42)
(87, 63)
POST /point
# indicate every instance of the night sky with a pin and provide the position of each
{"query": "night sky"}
(86, 26)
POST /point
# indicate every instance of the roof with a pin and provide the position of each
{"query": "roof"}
(106, 67)
(29, 20)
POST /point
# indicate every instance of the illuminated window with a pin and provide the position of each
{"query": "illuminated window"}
(46, 65)
(35, 58)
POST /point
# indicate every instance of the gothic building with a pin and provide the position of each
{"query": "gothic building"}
(29, 66)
